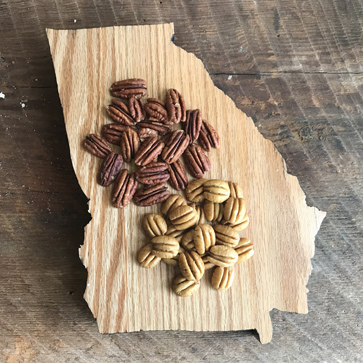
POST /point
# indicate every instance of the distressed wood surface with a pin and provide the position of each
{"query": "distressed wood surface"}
(282, 226)
(294, 67)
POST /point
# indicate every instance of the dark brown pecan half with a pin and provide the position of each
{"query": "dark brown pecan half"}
(136, 109)
(113, 132)
(175, 144)
(193, 124)
(153, 173)
(156, 125)
(96, 146)
(145, 132)
(175, 105)
(123, 189)
(129, 144)
(155, 108)
(128, 88)
(109, 169)
(178, 177)
(148, 151)
(119, 112)
(208, 137)
(196, 161)
(150, 195)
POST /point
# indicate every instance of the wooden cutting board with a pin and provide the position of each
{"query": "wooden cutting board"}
(122, 295)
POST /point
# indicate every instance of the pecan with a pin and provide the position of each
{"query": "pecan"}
(156, 125)
(175, 106)
(129, 144)
(193, 124)
(154, 225)
(113, 132)
(119, 112)
(136, 109)
(222, 278)
(150, 195)
(109, 168)
(123, 189)
(175, 144)
(128, 88)
(148, 151)
(96, 146)
(155, 108)
(153, 173)
(183, 287)
(196, 161)
(145, 132)
(178, 177)
(208, 137)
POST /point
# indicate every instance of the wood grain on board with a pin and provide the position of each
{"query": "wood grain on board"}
(122, 295)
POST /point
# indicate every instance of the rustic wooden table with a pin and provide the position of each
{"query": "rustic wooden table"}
(294, 67)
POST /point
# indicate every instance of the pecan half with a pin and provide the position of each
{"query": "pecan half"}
(123, 189)
(150, 195)
(175, 106)
(113, 132)
(129, 144)
(119, 112)
(148, 151)
(208, 137)
(178, 177)
(153, 173)
(175, 144)
(136, 109)
(193, 124)
(109, 169)
(156, 125)
(134, 87)
(96, 146)
(155, 108)
(145, 132)
(196, 161)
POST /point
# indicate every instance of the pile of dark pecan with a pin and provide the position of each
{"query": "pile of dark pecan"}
(145, 133)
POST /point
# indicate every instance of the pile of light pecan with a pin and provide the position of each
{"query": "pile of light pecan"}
(199, 236)
(146, 134)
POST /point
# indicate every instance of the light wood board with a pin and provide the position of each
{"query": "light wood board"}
(122, 295)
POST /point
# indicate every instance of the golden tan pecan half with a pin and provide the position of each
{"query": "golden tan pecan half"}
(236, 190)
(153, 173)
(154, 225)
(183, 287)
(119, 112)
(150, 195)
(242, 225)
(222, 278)
(123, 189)
(222, 256)
(111, 165)
(213, 211)
(191, 266)
(188, 242)
(208, 137)
(196, 161)
(148, 151)
(216, 191)
(183, 217)
(193, 124)
(194, 191)
(207, 264)
(113, 132)
(165, 246)
(159, 127)
(129, 144)
(173, 232)
(136, 109)
(127, 88)
(156, 108)
(174, 201)
(234, 210)
(146, 258)
(204, 238)
(201, 215)
(226, 235)
(174, 261)
(175, 106)
(175, 144)
(96, 145)
(244, 250)
(178, 177)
